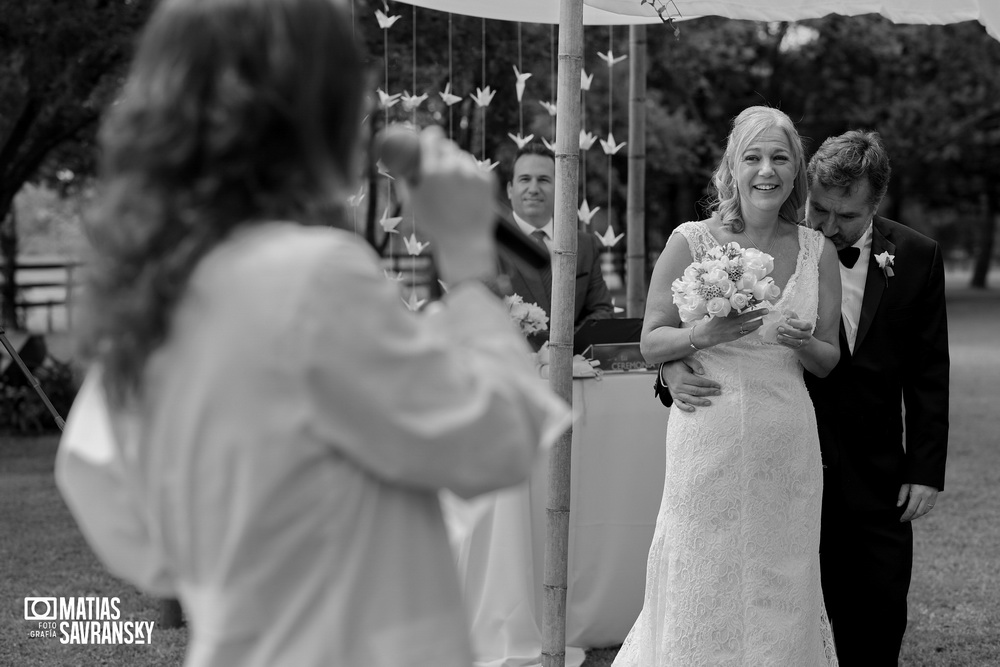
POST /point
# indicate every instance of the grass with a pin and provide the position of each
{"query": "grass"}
(43, 554)
(954, 618)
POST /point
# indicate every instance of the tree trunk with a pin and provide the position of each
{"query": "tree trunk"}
(984, 248)
(8, 256)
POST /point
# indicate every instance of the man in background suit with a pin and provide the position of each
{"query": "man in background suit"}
(894, 352)
(531, 191)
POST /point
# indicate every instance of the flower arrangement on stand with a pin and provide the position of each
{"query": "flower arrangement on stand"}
(529, 317)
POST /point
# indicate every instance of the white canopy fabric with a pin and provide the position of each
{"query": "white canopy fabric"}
(621, 12)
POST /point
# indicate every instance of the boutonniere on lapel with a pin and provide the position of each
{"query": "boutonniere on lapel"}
(885, 262)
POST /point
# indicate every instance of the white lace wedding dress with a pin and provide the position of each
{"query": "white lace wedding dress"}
(732, 576)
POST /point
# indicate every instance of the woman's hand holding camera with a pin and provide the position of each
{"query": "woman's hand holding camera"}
(452, 204)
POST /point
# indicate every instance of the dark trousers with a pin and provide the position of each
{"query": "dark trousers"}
(865, 562)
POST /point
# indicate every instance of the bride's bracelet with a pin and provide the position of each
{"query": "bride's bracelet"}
(691, 339)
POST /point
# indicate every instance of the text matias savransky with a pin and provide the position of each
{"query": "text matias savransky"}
(84, 620)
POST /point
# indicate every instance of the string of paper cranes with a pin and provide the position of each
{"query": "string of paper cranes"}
(411, 101)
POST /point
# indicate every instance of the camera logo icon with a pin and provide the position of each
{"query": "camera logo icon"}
(40, 609)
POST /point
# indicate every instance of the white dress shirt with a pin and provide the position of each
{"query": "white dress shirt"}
(528, 229)
(852, 283)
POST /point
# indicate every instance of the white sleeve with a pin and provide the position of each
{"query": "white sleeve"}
(444, 400)
(94, 482)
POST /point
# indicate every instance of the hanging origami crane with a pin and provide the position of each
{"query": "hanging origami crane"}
(486, 165)
(355, 200)
(413, 246)
(585, 213)
(519, 140)
(413, 303)
(384, 20)
(521, 79)
(585, 79)
(382, 171)
(608, 238)
(609, 146)
(586, 140)
(548, 144)
(411, 102)
(448, 98)
(483, 96)
(609, 58)
(389, 224)
(385, 100)
(550, 107)
(396, 278)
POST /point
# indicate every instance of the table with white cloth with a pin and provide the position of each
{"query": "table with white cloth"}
(616, 484)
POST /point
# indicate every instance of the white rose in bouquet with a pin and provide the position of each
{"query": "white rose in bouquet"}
(728, 278)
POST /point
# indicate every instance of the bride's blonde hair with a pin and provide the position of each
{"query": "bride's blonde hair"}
(747, 126)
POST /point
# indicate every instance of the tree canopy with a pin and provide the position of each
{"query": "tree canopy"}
(933, 92)
(60, 64)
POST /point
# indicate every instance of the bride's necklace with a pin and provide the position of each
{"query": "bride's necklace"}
(774, 235)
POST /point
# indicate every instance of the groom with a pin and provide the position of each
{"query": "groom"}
(894, 352)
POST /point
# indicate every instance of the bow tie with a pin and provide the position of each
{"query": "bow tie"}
(849, 256)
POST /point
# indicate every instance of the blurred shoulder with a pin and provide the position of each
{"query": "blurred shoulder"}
(283, 243)
(276, 256)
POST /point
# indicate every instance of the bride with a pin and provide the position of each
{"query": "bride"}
(732, 576)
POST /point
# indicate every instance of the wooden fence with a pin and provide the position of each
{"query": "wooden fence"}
(48, 285)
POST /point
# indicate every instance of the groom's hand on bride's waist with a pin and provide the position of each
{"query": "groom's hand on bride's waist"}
(685, 378)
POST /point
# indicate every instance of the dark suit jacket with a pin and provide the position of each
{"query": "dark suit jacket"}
(900, 356)
(593, 300)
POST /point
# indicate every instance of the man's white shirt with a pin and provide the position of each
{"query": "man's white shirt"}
(528, 228)
(852, 284)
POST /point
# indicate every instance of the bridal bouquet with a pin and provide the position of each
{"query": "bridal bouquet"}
(529, 316)
(727, 278)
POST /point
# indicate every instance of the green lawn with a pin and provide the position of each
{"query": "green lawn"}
(43, 554)
(954, 610)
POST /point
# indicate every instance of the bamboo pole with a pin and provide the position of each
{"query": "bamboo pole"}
(635, 260)
(561, 327)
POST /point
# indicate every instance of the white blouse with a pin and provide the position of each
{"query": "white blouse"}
(281, 473)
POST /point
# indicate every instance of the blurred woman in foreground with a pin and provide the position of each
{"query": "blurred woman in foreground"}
(265, 428)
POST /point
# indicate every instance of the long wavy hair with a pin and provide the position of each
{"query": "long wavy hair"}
(234, 112)
(747, 126)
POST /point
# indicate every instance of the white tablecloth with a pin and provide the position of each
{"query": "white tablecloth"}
(617, 480)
